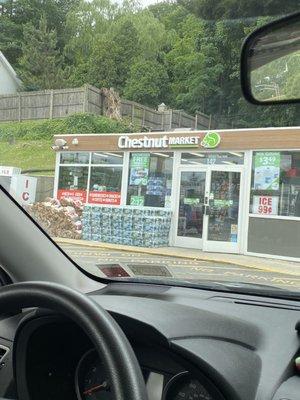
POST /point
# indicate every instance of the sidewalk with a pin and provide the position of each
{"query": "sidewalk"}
(259, 263)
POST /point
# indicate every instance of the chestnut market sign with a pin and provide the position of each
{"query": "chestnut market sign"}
(210, 141)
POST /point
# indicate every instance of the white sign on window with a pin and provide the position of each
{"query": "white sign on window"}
(265, 205)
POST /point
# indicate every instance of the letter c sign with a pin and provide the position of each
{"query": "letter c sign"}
(25, 196)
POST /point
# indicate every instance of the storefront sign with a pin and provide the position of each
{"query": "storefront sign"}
(210, 141)
(74, 194)
(137, 200)
(266, 205)
(112, 198)
(139, 169)
(267, 171)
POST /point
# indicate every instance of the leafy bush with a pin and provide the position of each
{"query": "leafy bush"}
(77, 123)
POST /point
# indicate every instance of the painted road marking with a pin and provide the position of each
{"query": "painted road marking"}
(182, 268)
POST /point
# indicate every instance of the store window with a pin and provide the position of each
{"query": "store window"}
(150, 179)
(275, 183)
(106, 178)
(104, 158)
(105, 185)
(72, 182)
(74, 158)
(197, 157)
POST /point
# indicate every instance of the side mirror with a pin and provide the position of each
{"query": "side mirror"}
(270, 63)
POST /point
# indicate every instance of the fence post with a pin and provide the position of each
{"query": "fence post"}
(102, 100)
(144, 117)
(180, 119)
(20, 108)
(171, 119)
(196, 121)
(51, 104)
(132, 113)
(85, 98)
(209, 121)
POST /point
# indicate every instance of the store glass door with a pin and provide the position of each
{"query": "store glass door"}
(222, 215)
(190, 213)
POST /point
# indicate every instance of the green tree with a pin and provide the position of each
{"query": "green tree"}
(55, 12)
(40, 64)
(10, 39)
(148, 83)
(194, 66)
(125, 36)
(152, 35)
(101, 67)
(112, 55)
(86, 27)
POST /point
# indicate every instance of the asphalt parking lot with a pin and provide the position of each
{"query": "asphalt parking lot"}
(129, 263)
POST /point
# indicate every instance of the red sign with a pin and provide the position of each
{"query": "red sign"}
(265, 205)
(72, 194)
(105, 198)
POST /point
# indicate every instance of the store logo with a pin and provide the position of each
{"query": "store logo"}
(211, 140)
(126, 142)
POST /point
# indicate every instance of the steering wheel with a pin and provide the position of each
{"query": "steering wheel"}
(110, 342)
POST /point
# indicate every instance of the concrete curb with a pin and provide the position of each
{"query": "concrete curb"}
(201, 257)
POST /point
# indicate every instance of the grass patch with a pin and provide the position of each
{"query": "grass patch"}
(27, 144)
(80, 123)
(28, 154)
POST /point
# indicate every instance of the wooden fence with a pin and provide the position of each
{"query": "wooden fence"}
(42, 105)
(148, 118)
(60, 103)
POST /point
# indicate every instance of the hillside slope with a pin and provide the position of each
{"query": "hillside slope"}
(28, 144)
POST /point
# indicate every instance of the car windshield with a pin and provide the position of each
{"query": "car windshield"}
(125, 135)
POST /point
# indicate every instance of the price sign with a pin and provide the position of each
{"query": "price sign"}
(137, 200)
(265, 205)
(267, 171)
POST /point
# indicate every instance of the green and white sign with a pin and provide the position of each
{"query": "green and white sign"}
(191, 201)
(266, 170)
(211, 140)
(223, 203)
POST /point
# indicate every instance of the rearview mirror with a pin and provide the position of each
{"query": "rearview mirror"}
(270, 63)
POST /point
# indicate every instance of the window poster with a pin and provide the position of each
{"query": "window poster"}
(139, 169)
(266, 171)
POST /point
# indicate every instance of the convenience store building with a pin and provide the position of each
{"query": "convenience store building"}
(235, 191)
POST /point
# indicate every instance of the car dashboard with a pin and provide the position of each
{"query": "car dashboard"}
(191, 344)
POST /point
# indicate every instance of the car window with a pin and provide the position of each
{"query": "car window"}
(125, 135)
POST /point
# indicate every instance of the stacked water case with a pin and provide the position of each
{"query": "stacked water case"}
(146, 227)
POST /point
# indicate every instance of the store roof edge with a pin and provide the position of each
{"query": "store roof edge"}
(289, 128)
